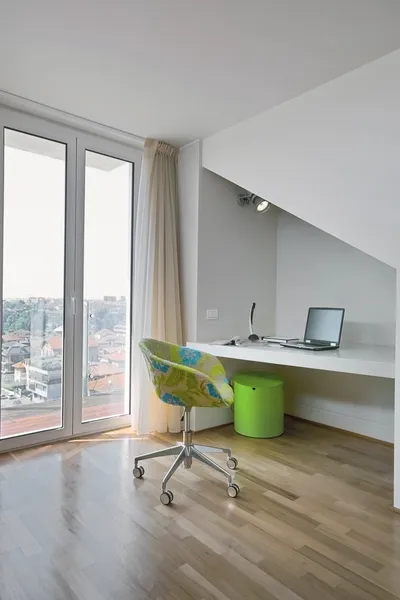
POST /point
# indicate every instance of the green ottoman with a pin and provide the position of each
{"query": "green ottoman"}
(258, 406)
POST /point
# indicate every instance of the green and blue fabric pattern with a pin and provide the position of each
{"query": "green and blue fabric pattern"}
(186, 377)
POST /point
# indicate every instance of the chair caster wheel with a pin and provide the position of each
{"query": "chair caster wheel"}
(166, 497)
(232, 463)
(233, 490)
(138, 472)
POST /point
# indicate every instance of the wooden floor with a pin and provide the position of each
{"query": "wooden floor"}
(313, 521)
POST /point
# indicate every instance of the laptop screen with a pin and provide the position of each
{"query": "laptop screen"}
(324, 324)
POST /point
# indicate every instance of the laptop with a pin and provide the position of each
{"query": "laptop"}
(323, 330)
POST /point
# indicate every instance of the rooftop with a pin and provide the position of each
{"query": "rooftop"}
(46, 364)
(103, 369)
(19, 365)
(117, 356)
(111, 383)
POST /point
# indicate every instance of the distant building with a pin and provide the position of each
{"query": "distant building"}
(54, 317)
(120, 329)
(16, 336)
(103, 369)
(117, 358)
(108, 385)
(106, 351)
(52, 347)
(106, 337)
(103, 333)
(93, 350)
(43, 378)
(110, 298)
(12, 353)
(38, 321)
(20, 373)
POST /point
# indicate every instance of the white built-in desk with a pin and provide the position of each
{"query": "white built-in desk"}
(375, 361)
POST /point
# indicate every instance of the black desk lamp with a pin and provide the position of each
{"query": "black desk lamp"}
(253, 337)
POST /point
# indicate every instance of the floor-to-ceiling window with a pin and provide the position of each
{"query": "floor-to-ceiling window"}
(67, 204)
(106, 286)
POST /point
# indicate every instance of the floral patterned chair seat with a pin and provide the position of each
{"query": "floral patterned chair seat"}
(186, 377)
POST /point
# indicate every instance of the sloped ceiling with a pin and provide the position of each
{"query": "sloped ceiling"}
(330, 157)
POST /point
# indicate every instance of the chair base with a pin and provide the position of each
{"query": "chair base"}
(185, 452)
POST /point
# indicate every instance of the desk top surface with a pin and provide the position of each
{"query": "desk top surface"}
(360, 359)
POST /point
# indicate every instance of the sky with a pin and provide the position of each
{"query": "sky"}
(34, 221)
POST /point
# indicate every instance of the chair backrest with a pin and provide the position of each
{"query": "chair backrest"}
(186, 377)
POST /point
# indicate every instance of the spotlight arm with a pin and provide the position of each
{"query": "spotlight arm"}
(244, 199)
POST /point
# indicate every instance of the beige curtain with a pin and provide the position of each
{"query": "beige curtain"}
(156, 296)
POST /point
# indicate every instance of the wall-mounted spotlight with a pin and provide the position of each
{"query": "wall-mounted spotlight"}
(260, 204)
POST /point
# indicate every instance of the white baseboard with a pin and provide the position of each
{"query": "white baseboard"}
(378, 431)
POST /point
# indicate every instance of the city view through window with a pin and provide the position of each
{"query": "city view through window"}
(33, 286)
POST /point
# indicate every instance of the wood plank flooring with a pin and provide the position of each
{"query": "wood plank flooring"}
(313, 521)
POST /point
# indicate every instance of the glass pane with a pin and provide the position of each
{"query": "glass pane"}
(107, 287)
(33, 284)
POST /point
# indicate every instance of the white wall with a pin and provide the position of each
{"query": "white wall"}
(223, 249)
(316, 269)
(188, 193)
(235, 246)
(330, 156)
(237, 262)
(363, 405)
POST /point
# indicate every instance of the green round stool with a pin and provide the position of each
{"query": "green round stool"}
(258, 405)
